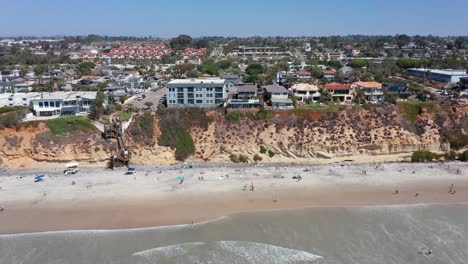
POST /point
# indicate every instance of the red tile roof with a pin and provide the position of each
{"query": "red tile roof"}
(337, 86)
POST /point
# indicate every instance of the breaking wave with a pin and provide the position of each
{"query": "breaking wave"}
(226, 252)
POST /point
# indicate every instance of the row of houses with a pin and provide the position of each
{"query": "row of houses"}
(213, 92)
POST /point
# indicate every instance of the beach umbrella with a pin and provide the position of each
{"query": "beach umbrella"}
(181, 178)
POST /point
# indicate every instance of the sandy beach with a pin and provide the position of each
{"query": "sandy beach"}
(103, 199)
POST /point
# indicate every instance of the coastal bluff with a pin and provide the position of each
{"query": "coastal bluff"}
(360, 134)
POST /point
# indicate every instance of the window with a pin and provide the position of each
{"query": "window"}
(46, 104)
(219, 95)
(180, 101)
(41, 105)
(172, 101)
(209, 101)
(198, 95)
(217, 101)
(190, 89)
(180, 90)
(209, 89)
(199, 101)
(190, 101)
(219, 89)
(171, 89)
(24, 99)
(180, 95)
(209, 95)
(190, 95)
(171, 95)
(199, 89)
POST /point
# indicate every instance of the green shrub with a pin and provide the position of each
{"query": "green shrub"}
(69, 125)
(421, 156)
(464, 156)
(8, 120)
(124, 116)
(271, 153)
(263, 150)
(451, 155)
(257, 158)
(179, 139)
(243, 158)
(235, 115)
(234, 158)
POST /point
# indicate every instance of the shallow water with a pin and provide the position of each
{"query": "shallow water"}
(384, 234)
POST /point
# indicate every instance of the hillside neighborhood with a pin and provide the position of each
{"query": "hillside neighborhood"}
(62, 77)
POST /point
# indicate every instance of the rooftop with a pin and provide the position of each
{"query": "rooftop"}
(337, 86)
(198, 81)
(67, 95)
(369, 84)
(247, 88)
(304, 87)
(442, 71)
(275, 88)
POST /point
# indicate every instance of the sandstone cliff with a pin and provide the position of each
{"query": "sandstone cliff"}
(377, 133)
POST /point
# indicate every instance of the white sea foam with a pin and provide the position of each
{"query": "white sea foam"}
(237, 251)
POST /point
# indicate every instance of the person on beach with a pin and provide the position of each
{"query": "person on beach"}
(416, 195)
(2, 208)
(396, 191)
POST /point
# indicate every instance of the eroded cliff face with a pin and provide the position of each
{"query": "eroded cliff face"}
(33, 145)
(358, 134)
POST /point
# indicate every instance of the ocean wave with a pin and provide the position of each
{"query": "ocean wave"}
(226, 252)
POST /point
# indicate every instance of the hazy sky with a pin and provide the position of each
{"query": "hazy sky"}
(168, 18)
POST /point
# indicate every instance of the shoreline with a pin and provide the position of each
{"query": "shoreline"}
(116, 201)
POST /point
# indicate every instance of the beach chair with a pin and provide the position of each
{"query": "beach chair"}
(130, 171)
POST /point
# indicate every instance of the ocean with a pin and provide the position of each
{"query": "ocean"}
(413, 234)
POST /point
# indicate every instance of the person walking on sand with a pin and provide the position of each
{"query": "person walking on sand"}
(2, 208)
(396, 191)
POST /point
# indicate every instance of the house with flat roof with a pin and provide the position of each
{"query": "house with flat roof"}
(205, 93)
(444, 75)
(243, 103)
(340, 92)
(399, 90)
(372, 91)
(63, 103)
(17, 99)
(305, 92)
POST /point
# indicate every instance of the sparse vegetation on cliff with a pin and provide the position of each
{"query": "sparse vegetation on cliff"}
(175, 127)
(413, 108)
(70, 124)
(421, 156)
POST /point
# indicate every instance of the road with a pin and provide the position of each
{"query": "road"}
(216, 52)
(151, 96)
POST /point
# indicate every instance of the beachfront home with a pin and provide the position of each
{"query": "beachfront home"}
(243, 103)
(205, 93)
(329, 74)
(340, 92)
(372, 91)
(17, 99)
(278, 96)
(399, 90)
(63, 103)
(305, 92)
(248, 91)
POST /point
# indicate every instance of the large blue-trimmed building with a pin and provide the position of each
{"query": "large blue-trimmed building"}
(445, 75)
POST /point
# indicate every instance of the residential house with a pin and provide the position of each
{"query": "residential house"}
(63, 103)
(399, 90)
(205, 93)
(340, 92)
(243, 103)
(303, 75)
(17, 99)
(278, 96)
(372, 91)
(329, 74)
(4, 75)
(305, 92)
(248, 91)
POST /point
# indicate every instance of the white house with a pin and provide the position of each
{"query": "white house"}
(63, 103)
(306, 92)
(17, 99)
(206, 93)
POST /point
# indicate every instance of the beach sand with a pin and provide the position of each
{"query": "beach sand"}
(104, 199)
